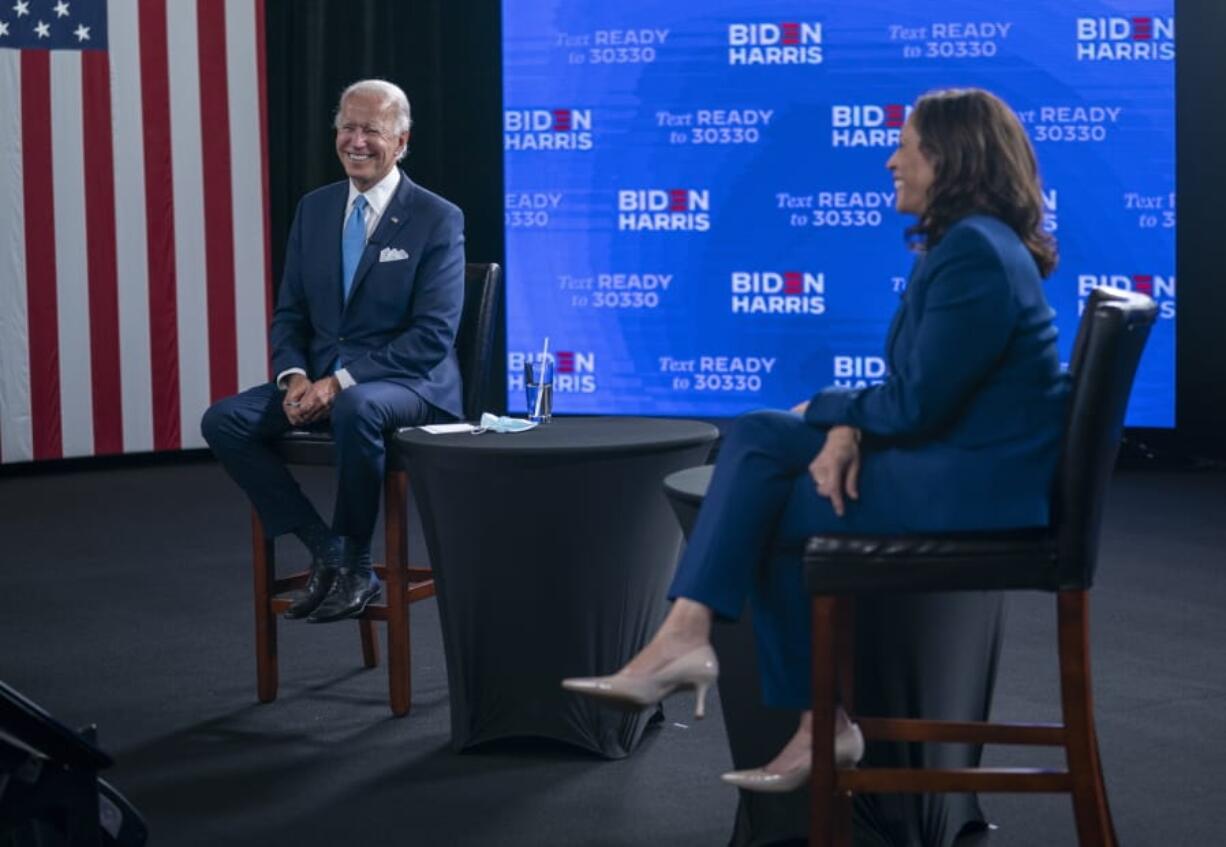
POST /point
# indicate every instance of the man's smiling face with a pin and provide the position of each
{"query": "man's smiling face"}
(366, 141)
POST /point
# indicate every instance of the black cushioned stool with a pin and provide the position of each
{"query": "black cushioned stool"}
(404, 584)
(908, 640)
(1060, 558)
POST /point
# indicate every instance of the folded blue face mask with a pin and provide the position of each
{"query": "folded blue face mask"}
(496, 423)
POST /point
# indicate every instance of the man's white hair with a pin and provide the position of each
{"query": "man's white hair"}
(391, 95)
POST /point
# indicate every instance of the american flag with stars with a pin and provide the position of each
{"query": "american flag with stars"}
(134, 260)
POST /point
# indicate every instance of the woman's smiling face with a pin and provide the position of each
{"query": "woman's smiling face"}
(913, 173)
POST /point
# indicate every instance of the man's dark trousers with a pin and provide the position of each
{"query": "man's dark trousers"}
(239, 430)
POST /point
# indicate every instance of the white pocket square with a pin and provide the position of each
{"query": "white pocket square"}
(392, 254)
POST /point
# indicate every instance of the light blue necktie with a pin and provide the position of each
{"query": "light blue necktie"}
(353, 242)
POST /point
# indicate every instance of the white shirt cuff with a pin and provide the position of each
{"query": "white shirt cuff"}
(343, 377)
(286, 374)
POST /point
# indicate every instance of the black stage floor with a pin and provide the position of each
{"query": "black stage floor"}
(125, 600)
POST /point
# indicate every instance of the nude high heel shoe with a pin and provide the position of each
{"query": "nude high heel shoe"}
(697, 669)
(848, 751)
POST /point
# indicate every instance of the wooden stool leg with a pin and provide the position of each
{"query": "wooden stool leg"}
(1094, 826)
(845, 651)
(263, 558)
(845, 657)
(370, 647)
(824, 811)
(395, 518)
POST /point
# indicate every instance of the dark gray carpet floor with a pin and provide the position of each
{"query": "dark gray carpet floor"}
(125, 600)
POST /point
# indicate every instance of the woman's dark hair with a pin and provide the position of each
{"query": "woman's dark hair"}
(983, 163)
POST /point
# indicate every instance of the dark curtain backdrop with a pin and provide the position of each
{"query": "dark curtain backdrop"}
(445, 54)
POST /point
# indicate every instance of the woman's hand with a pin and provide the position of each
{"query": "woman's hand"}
(836, 470)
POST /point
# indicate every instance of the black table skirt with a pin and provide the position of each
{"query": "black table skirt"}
(552, 551)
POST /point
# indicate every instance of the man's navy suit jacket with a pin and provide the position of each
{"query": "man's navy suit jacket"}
(964, 433)
(399, 323)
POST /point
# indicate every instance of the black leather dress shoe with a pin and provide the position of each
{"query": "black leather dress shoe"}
(317, 587)
(352, 591)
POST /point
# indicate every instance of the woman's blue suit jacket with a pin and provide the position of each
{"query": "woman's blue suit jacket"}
(964, 433)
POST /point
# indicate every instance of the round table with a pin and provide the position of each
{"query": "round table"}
(552, 552)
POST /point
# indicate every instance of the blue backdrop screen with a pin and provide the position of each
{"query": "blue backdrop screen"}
(697, 210)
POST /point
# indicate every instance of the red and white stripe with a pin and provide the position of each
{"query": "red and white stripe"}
(134, 263)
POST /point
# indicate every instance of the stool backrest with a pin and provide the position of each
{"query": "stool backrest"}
(1110, 337)
(474, 341)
